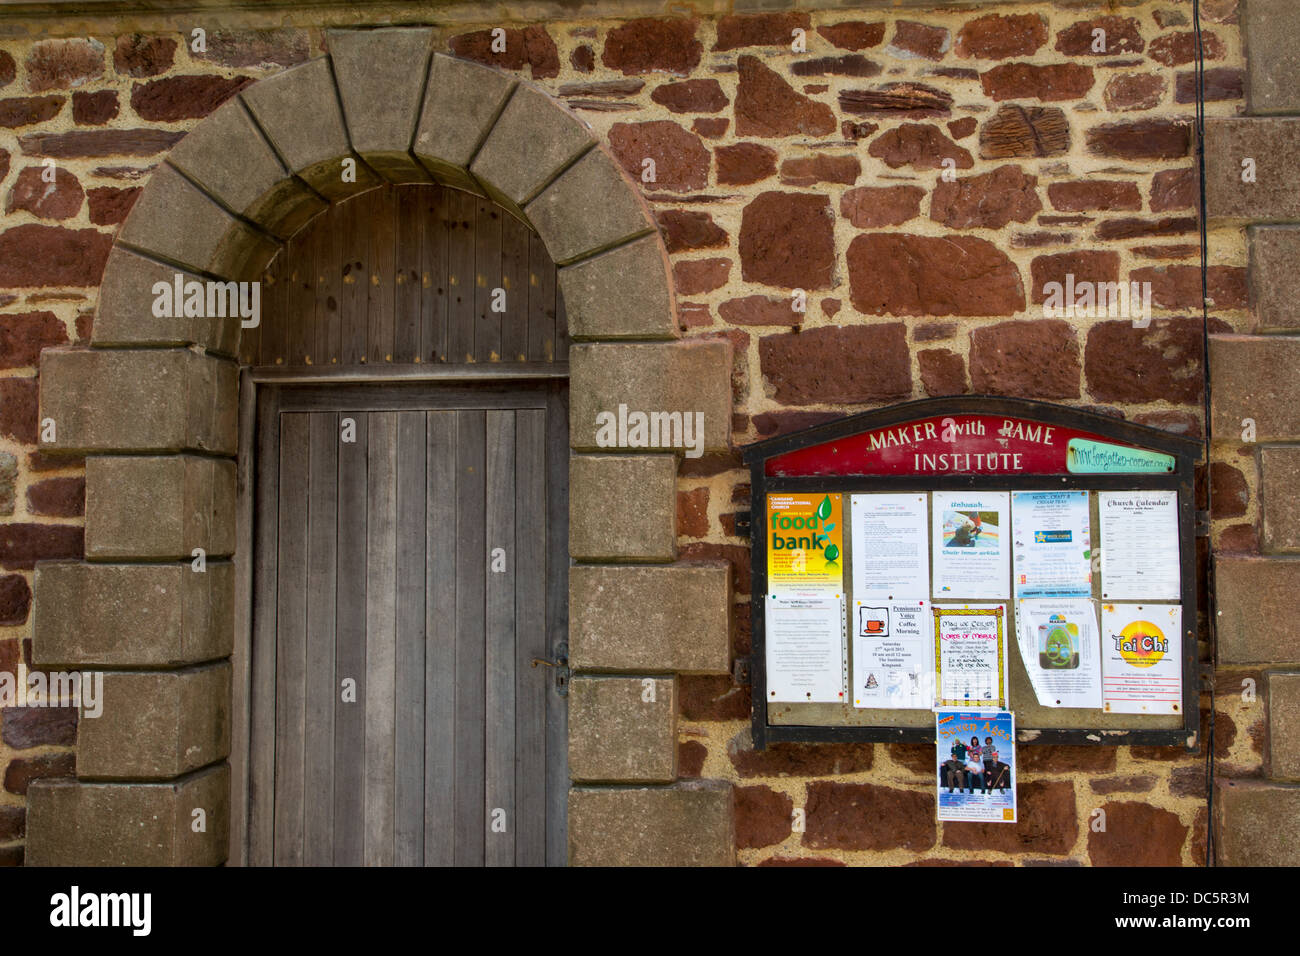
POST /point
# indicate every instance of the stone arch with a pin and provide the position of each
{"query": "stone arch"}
(154, 402)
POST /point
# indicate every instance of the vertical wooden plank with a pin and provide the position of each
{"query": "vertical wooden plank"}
(541, 302)
(320, 240)
(561, 328)
(440, 639)
(487, 279)
(322, 574)
(332, 269)
(471, 563)
(409, 658)
(381, 223)
(261, 758)
(460, 276)
(356, 279)
(291, 640)
(245, 561)
(250, 340)
(499, 655)
(350, 644)
(557, 621)
(433, 277)
(406, 275)
(515, 241)
(275, 313)
(381, 623)
(531, 683)
(302, 296)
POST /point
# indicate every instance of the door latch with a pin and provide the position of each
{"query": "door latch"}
(561, 667)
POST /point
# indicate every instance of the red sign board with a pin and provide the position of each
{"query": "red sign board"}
(970, 445)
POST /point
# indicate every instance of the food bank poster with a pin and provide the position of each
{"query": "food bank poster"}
(805, 544)
(976, 754)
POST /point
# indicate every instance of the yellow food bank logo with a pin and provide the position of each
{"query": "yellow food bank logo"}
(1141, 644)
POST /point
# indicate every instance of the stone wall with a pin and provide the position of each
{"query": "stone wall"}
(771, 170)
(1256, 429)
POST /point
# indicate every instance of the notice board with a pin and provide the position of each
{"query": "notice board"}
(975, 552)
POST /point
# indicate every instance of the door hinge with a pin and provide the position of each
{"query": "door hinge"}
(742, 524)
(1202, 524)
(560, 667)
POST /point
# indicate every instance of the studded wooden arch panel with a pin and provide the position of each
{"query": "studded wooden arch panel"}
(153, 404)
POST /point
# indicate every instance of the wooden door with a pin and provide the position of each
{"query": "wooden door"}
(411, 567)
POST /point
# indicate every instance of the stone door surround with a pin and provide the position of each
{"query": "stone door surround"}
(154, 405)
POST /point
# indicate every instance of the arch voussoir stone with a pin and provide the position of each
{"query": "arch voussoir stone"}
(461, 103)
(590, 207)
(299, 112)
(178, 222)
(620, 294)
(229, 158)
(532, 140)
(125, 316)
(381, 76)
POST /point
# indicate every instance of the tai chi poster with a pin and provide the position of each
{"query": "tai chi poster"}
(805, 544)
(805, 649)
(1139, 545)
(1052, 544)
(1141, 658)
(1060, 650)
(892, 647)
(891, 546)
(971, 553)
(976, 757)
(970, 655)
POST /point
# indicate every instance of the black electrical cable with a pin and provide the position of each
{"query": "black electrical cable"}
(1211, 630)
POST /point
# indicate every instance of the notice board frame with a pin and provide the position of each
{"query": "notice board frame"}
(1186, 453)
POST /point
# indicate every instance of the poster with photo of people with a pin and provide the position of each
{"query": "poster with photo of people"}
(976, 756)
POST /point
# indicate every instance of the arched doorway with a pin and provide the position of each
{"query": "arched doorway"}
(407, 504)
